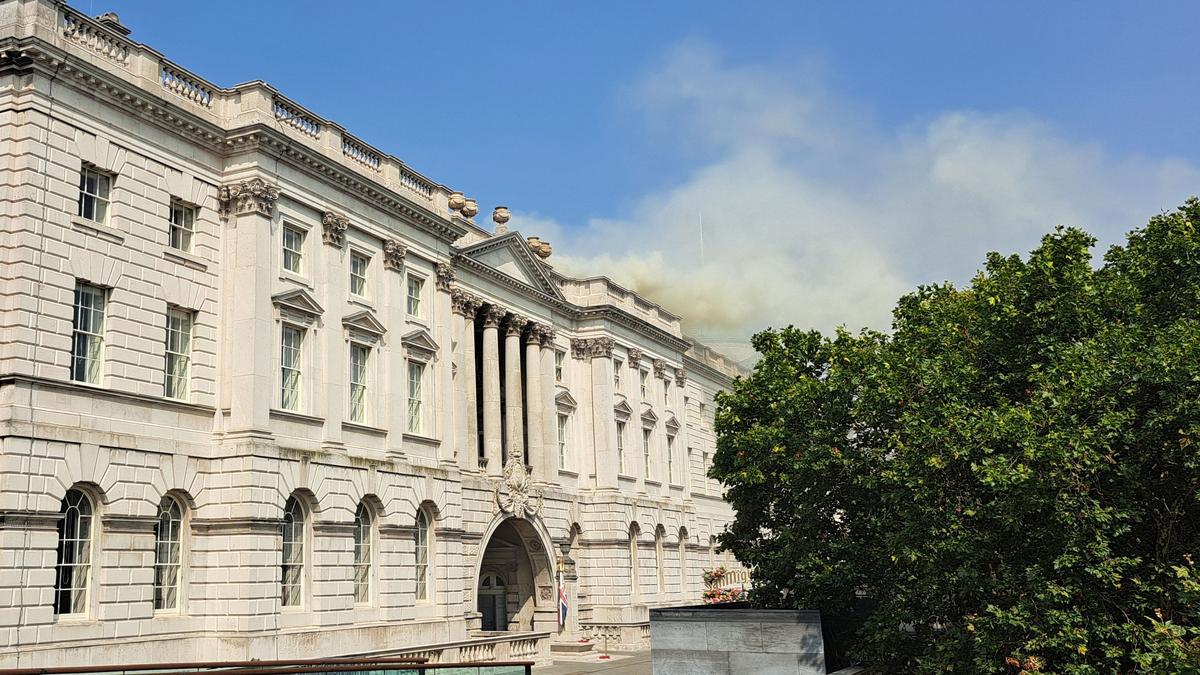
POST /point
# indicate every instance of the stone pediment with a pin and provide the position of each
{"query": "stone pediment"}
(648, 416)
(298, 300)
(364, 322)
(622, 409)
(671, 424)
(420, 343)
(565, 400)
(509, 254)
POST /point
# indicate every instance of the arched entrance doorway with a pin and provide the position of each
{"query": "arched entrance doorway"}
(515, 590)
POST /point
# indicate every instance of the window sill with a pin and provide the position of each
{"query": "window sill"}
(622, 476)
(361, 302)
(285, 275)
(568, 472)
(297, 416)
(423, 440)
(93, 227)
(650, 481)
(183, 257)
(75, 620)
(364, 428)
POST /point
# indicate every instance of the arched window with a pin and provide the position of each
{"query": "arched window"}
(168, 553)
(74, 554)
(294, 532)
(683, 567)
(363, 539)
(660, 560)
(424, 541)
(634, 573)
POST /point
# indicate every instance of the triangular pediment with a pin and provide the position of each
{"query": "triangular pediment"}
(565, 400)
(509, 254)
(364, 321)
(648, 416)
(421, 342)
(671, 423)
(622, 409)
(298, 300)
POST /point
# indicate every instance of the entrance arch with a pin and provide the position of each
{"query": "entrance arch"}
(514, 585)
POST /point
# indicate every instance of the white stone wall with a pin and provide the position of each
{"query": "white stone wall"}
(228, 451)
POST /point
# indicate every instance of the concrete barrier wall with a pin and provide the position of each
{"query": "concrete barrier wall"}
(714, 641)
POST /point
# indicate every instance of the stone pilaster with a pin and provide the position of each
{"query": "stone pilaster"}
(515, 445)
(549, 453)
(599, 352)
(534, 415)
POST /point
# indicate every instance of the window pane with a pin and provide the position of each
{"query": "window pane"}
(179, 343)
(358, 274)
(415, 286)
(292, 570)
(87, 342)
(73, 555)
(415, 372)
(289, 360)
(293, 244)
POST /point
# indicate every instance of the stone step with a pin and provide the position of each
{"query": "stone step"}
(570, 647)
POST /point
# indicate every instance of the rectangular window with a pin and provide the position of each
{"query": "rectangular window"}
(560, 358)
(94, 188)
(644, 383)
(358, 274)
(670, 459)
(617, 366)
(179, 353)
(415, 286)
(359, 354)
(416, 370)
(183, 226)
(289, 361)
(646, 451)
(666, 392)
(87, 349)
(293, 248)
(562, 440)
(621, 447)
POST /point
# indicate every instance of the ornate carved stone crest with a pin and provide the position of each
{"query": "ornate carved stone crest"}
(393, 254)
(514, 494)
(334, 227)
(249, 196)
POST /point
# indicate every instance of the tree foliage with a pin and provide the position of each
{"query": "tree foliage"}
(1010, 476)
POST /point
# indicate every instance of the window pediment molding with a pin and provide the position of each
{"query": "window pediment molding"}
(671, 424)
(622, 410)
(298, 304)
(420, 344)
(648, 416)
(565, 401)
(363, 323)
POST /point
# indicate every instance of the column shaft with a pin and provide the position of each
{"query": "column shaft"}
(533, 408)
(470, 447)
(549, 410)
(491, 391)
(515, 446)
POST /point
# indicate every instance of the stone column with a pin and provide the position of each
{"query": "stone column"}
(249, 209)
(604, 426)
(331, 275)
(549, 409)
(396, 365)
(512, 387)
(682, 442)
(491, 390)
(468, 425)
(445, 411)
(534, 415)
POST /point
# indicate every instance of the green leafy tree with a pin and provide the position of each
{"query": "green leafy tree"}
(1010, 477)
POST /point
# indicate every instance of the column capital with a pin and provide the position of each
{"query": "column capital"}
(589, 348)
(515, 323)
(253, 195)
(445, 276)
(333, 228)
(492, 315)
(393, 254)
(635, 357)
(546, 335)
(680, 376)
(660, 368)
(463, 303)
(534, 335)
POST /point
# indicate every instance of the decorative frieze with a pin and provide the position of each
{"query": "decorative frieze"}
(333, 228)
(393, 254)
(445, 276)
(249, 196)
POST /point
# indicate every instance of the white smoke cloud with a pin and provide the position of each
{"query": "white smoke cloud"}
(816, 216)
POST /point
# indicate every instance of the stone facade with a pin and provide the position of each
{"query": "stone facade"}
(216, 301)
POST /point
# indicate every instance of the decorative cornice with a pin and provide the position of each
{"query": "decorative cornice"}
(333, 228)
(445, 276)
(249, 196)
(393, 254)
(635, 357)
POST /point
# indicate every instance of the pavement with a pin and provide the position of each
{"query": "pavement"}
(621, 663)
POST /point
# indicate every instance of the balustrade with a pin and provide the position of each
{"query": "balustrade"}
(184, 85)
(84, 31)
(294, 117)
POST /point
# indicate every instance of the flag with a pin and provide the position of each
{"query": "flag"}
(562, 601)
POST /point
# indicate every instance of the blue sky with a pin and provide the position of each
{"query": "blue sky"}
(840, 152)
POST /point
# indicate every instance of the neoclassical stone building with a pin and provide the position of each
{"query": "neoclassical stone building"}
(266, 391)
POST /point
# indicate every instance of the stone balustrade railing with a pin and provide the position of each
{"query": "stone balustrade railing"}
(229, 108)
(504, 647)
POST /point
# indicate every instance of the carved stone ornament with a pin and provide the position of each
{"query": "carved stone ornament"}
(514, 494)
(445, 276)
(533, 336)
(601, 347)
(635, 357)
(333, 228)
(515, 323)
(457, 295)
(540, 248)
(492, 315)
(546, 592)
(393, 254)
(660, 368)
(249, 196)
(547, 335)
(680, 376)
